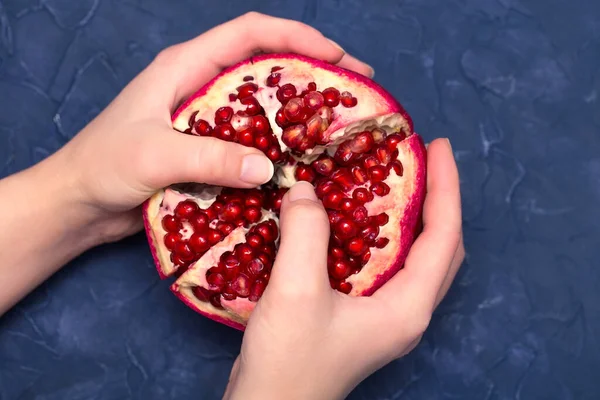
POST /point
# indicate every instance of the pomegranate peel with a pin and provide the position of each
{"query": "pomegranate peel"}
(317, 122)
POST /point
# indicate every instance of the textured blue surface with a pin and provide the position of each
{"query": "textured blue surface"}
(514, 83)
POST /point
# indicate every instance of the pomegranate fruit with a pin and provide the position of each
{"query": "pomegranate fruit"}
(319, 123)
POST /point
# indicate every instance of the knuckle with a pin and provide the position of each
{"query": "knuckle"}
(252, 16)
(419, 325)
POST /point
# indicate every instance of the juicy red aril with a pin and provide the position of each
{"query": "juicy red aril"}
(171, 224)
(186, 209)
(232, 97)
(199, 221)
(273, 79)
(280, 119)
(203, 128)
(345, 287)
(360, 215)
(397, 167)
(252, 214)
(294, 110)
(246, 90)
(343, 177)
(345, 229)
(223, 115)
(355, 246)
(248, 78)
(333, 199)
(370, 233)
(199, 242)
(304, 173)
(313, 100)
(225, 228)
(201, 293)
(252, 106)
(192, 119)
(362, 195)
(214, 236)
(255, 266)
(331, 97)
(340, 269)
(171, 239)
(225, 132)
(254, 199)
(255, 240)
(337, 252)
(243, 252)
(311, 86)
(370, 161)
(258, 287)
(216, 279)
(366, 256)
(228, 293)
(362, 143)
(246, 137)
(286, 92)
(260, 124)
(347, 206)
(293, 136)
(384, 154)
(380, 243)
(380, 189)
(359, 175)
(274, 153)
(334, 216)
(378, 173)
(267, 231)
(325, 186)
(344, 154)
(348, 100)
(230, 212)
(323, 166)
(382, 219)
(262, 143)
(241, 285)
(184, 251)
(392, 141)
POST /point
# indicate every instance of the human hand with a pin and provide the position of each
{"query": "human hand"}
(130, 150)
(307, 341)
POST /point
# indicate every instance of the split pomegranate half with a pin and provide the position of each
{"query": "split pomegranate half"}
(319, 123)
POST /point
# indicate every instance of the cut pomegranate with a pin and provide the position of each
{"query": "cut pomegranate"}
(318, 123)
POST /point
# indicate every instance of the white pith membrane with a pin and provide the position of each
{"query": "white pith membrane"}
(347, 123)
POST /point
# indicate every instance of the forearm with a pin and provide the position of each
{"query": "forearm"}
(43, 228)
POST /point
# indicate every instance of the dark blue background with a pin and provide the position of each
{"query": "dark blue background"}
(514, 83)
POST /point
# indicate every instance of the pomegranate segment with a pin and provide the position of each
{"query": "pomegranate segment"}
(318, 123)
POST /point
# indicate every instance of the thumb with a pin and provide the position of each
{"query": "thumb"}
(301, 264)
(177, 158)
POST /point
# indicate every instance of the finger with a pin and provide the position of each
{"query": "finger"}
(301, 264)
(354, 64)
(168, 157)
(417, 285)
(457, 261)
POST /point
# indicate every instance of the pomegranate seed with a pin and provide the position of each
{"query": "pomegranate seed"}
(223, 115)
(348, 205)
(252, 214)
(269, 250)
(343, 177)
(324, 165)
(370, 233)
(293, 110)
(382, 219)
(337, 252)
(230, 264)
(203, 128)
(364, 259)
(186, 209)
(214, 236)
(397, 167)
(267, 232)
(265, 259)
(260, 124)
(257, 290)
(255, 240)
(293, 136)
(216, 280)
(334, 216)
(231, 212)
(170, 223)
(192, 119)
(392, 141)
(243, 252)
(254, 200)
(280, 118)
(225, 228)
(383, 154)
(348, 100)
(228, 293)
(240, 122)
(315, 127)
(333, 199)
(362, 195)
(273, 79)
(201, 293)
(232, 97)
(225, 132)
(246, 137)
(325, 186)
(252, 106)
(312, 86)
(359, 175)
(378, 135)
(370, 161)
(345, 229)
(326, 113)
(199, 243)
(241, 285)
(248, 78)
(171, 239)
(362, 143)
(276, 68)
(381, 242)
(274, 153)
(255, 266)
(360, 215)
(184, 251)
(331, 97)
(246, 90)
(356, 246)
(378, 173)
(262, 142)
(305, 173)
(199, 221)
(344, 154)
(313, 100)
(286, 92)
(277, 198)
(340, 269)
(177, 260)
(380, 189)
(345, 287)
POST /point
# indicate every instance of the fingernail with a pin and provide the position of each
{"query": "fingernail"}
(449, 144)
(256, 169)
(302, 191)
(337, 45)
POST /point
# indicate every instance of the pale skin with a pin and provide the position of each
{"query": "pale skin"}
(296, 343)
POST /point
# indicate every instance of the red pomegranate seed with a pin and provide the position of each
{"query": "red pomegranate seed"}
(277, 197)
(362, 143)
(343, 177)
(359, 175)
(201, 293)
(313, 100)
(364, 259)
(243, 252)
(315, 127)
(397, 166)
(199, 221)
(340, 269)
(216, 279)
(214, 236)
(312, 86)
(331, 97)
(192, 119)
(378, 173)
(178, 261)
(370, 161)
(252, 214)
(293, 136)
(294, 110)
(304, 173)
(286, 92)
(186, 209)
(199, 242)
(231, 212)
(325, 186)
(241, 285)
(334, 216)
(246, 137)
(370, 233)
(326, 113)
(280, 118)
(257, 290)
(252, 106)
(246, 90)
(255, 267)
(265, 259)
(360, 215)
(382, 219)
(248, 78)
(362, 195)
(333, 199)
(228, 293)
(356, 246)
(255, 240)
(254, 199)
(266, 233)
(323, 166)
(337, 252)
(203, 128)
(381, 242)
(380, 189)
(269, 250)
(262, 142)
(346, 228)
(171, 239)
(347, 206)
(384, 154)
(392, 141)
(225, 228)
(348, 100)
(232, 97)
(184, 251)
(379, 135)
(273, 79)
(260, 124)
(225, 132)
(345, 287)
(344, 155)
(170, 223)
(223, 115)
(276, 68)
(274, 153)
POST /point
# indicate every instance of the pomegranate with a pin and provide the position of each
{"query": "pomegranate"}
(318, 123)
